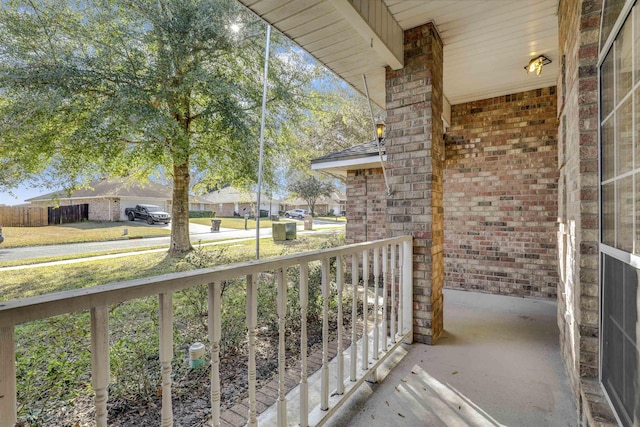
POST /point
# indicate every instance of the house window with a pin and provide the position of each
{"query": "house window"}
(619, 73)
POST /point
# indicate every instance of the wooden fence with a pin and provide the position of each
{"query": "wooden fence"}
(68, 214)
(30, 216)
(23, 216)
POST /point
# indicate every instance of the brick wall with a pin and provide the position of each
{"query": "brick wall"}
(366, 206)
(578, 296)
(500, 195)
(415, 152)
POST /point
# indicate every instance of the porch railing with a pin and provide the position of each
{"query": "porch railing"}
(385, 267)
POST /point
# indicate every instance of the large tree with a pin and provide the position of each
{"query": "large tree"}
(90, 88)
(338, 118)
(310, 190)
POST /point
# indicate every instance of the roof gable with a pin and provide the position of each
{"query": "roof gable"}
(111, 187)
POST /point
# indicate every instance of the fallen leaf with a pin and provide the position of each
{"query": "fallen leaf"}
(397, 389)
(387, 402)
(454, 372)
(403, 380)
(400, 414)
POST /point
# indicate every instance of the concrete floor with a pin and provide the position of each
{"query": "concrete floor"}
(497, 363)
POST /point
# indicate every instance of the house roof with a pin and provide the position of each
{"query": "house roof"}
(233, 195)
(111, 187)
(361, 156)
(336, 197)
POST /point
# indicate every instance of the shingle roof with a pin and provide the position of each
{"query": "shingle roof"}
(233, 195)
(366, 149)
(111, 187)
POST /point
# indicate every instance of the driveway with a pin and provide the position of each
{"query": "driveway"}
(197, 233)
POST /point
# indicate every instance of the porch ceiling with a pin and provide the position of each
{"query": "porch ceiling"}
(486, 43)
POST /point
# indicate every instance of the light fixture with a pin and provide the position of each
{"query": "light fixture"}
(536, 64)
(380, 130)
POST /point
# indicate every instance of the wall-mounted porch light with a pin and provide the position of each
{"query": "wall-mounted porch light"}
(536, 64)
(380, 130)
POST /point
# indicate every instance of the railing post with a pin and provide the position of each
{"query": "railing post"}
(214, 321)
(385, 296)
(376, 303)
(365, 310)
(100, 361)
(324, 385)
(165, 308)
(304, 305)
(354, 316)
(407, 286)
(282, 312)
(8, 397)
(393, 319)
(252, 325)
(340, 284)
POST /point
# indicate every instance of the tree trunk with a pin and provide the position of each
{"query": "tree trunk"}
(180, 242)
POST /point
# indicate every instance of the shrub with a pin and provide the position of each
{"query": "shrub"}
(202, 214)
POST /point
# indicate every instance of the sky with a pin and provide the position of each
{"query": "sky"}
(23, 192)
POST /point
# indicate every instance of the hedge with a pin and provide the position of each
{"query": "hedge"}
(202, 214)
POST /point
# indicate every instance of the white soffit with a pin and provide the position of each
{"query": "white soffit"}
(487, 43)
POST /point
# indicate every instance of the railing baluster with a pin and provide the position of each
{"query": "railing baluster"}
(100, 361)
(304, 304)
(385, 297)
(354, 315)
(165, 309)
(282, 312)
(406, 284)
(252, 325)
(214, 338)
(393, 319)
(8, 397)
(400, 289)
(376, 305)
(324, 386)
(365, 310)
(340, 284)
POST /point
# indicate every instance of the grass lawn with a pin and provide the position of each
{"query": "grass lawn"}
(89, 231)
(333, 218)
(42, 280)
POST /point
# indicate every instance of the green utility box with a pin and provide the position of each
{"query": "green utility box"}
(283, 231)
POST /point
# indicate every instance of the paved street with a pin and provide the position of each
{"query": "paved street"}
(197, 232)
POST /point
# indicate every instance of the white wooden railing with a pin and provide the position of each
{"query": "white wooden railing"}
(387, 262)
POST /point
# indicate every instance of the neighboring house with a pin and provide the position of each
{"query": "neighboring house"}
(335, 204)
(197, 203)
(230, 201)
(108, 198)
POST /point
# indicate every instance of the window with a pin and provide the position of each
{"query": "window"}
(619, 74)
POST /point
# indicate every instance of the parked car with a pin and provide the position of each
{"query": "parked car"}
(296, 213)
(150, 213)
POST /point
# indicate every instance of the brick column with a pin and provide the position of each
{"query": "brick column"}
(415, 161)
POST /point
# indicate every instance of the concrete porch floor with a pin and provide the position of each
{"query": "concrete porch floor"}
(497, 363)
